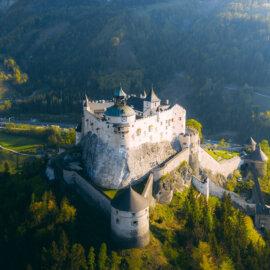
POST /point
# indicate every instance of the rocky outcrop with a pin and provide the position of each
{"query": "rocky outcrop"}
(118, 167)
(164, 188)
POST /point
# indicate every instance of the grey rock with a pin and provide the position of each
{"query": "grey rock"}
(118, 167)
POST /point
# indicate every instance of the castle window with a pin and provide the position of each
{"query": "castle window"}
(150, 128)
(133, 214)
(134, 223)
(117, 221)
(180, 118)
(108, 126)
(139, 131)
(161, 123)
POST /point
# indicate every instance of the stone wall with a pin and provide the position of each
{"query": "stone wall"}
(148, 191)
(165, 125)
(217, 192)
(130, 230)
(89, 193)
(225, 167)
(172, 164)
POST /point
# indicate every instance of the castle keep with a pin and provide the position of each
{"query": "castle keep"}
(132, 121)
(124, 139)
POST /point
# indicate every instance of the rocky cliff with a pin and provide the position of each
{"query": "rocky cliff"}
(115, 168)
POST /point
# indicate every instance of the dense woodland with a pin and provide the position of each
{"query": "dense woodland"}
(68, 48)
(49, 230)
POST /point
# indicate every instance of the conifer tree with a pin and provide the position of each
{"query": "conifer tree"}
(115, 261)
(91, 259)
(77, 260)
(102, 257)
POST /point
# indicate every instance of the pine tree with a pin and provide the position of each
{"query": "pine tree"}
(77, 260)
(91, 259)
(115, 261)
(63, 248)
(102, 257)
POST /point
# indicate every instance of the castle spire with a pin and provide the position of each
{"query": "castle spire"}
(152, 97)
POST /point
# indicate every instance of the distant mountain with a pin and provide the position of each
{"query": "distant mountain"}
(93, 45)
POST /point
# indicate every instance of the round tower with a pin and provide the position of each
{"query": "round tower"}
(130, 220)
(259, 159)
(121, 116)
(191, 140)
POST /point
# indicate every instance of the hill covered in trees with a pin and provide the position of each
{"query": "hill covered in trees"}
(48, 227)
(70, 47)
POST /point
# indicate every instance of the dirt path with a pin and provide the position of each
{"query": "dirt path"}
(18, 153)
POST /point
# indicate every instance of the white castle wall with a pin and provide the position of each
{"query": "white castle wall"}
(172, 164)
(130, 228)
(218, 192)
(225, 167)
(164, 126)
(89, 193)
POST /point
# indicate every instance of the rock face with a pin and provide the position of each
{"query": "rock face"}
(118, 167)
(163, 189)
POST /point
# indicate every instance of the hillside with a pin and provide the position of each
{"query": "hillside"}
(73, 47)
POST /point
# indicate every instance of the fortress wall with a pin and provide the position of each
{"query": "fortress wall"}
(89, 193)
(217, 192)
(148, 191)
(224, 167)
(161, 128)
(172, 164)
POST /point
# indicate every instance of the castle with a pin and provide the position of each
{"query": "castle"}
(134, 138)
(124, 139)
(132, 121)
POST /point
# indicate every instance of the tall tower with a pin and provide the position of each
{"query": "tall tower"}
(130, 220)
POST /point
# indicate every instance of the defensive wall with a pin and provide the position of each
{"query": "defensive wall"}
(218, 192)
(165, 125)
(89, 193)
(98, 199)
(225, 167)
(171, 164)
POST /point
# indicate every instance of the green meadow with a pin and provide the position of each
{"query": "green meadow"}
(20, 143)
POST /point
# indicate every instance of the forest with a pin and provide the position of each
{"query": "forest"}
(49, 227)
(67, 48)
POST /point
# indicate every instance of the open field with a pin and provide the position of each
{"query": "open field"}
(19, 143)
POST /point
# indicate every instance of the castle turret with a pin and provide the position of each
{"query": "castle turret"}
(250, 144)
(151, 103)
(191, 140)
(121, 116)
(259, 159)
(130, 219)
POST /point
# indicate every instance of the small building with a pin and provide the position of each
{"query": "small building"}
(130, 219)
(259, 159)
